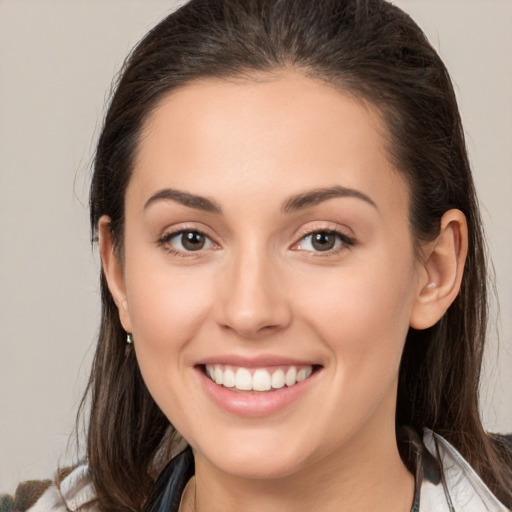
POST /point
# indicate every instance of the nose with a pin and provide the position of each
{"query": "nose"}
(253, 300)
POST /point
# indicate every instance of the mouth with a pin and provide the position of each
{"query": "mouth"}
(257, 387)
(258, 380)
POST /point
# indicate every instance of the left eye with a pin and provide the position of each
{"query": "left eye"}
(322, 241)
(188, 240)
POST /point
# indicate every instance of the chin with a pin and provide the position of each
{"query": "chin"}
(263, 455)
(258, 466)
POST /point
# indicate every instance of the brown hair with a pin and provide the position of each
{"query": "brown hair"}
(373, 50)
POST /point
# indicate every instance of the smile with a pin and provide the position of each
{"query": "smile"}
(257, 387)
(257, 379)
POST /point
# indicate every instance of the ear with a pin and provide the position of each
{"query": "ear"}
(113, 271)
(441, 270)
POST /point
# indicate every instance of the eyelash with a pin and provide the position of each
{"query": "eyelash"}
(345, 241)
(167, 237)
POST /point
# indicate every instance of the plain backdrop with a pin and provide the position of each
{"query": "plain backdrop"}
(57, 60)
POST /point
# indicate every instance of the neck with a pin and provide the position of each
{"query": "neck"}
(368, 476)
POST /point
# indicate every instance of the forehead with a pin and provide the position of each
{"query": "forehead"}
(287, 130)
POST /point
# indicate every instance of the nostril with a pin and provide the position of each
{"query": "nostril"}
(250, 302)
(256, 323)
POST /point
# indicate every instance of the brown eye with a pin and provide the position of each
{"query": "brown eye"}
(192, 240)
(187, 241)
(323, 240)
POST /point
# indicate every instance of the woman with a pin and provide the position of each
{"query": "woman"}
(293, 272)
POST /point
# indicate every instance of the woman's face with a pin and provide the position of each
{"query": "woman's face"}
(267, 241)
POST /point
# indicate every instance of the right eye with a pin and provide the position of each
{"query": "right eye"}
(186, 240)
(326, 241)
(321, 241)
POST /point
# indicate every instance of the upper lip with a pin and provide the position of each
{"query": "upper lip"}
(255, 361)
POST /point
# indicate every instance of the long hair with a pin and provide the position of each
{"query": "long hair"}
(375, 51)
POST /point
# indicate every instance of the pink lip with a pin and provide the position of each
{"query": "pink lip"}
(254, 362)
(254, 405)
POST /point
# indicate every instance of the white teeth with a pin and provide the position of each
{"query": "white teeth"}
(291, 376)
(301, 375)
(243, 379)
(218, 375)
(278, 379)
(260, 379)
(304, 373)
(229, 379)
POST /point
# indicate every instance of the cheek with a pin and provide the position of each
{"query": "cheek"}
(165, 299)
(167, 308)
(362, 314)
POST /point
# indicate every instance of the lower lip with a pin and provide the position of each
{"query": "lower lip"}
(254, 405)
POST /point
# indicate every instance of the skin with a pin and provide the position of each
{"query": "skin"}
(258, 287)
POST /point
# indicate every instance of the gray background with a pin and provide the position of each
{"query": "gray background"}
(57, 59)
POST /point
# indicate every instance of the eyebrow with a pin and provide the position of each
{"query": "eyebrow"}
(186, 199)
(294, 203)
(314, 197)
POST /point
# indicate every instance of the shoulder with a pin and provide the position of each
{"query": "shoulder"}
(460, 486)
(75, 492)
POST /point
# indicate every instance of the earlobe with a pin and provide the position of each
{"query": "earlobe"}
(113, 271)
(441, 273)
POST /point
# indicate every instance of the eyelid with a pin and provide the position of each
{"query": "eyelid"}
(329, 227)
(169, 233)
(315, 226)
